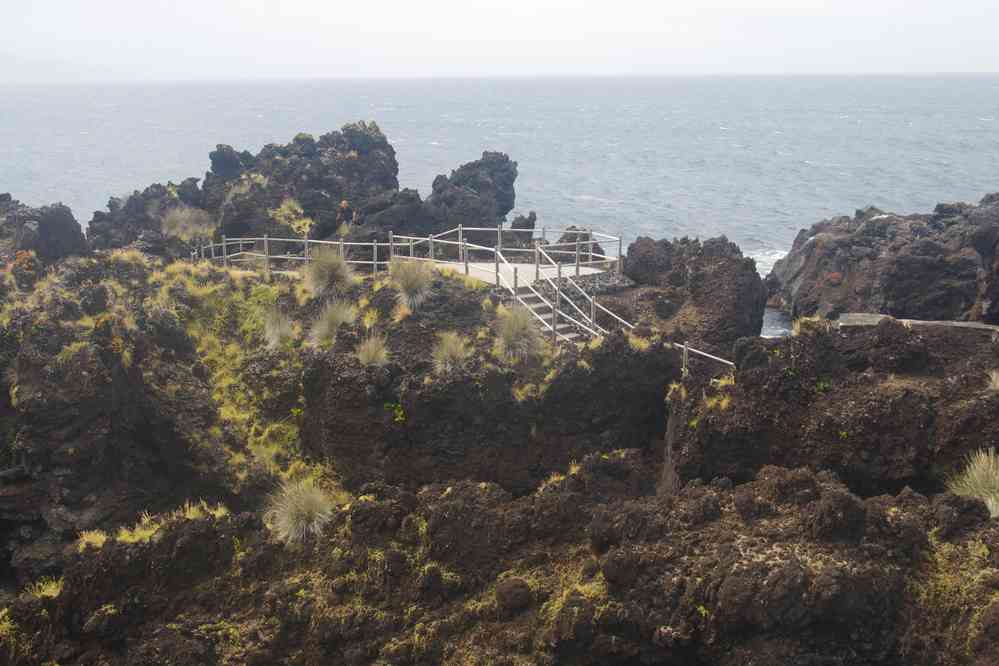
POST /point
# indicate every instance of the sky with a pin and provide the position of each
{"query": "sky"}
(266, 39)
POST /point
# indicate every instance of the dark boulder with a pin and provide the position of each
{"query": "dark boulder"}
(51, 232)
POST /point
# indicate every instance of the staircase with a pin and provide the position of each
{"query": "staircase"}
(543, 310)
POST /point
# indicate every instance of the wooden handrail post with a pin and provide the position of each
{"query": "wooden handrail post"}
(267, 258)
(411, 248)
(514, 279)
(213, 250)
(537, 261)
(306, 251)
(374, 257)
(558, 267)
(499, 236)
(593, 310)
(496, 256)
(430, 241)
(342, 255)
(461, 245)
(544, 235)
(225, 253)
(464, 255)
(577, 255)
(391, 247)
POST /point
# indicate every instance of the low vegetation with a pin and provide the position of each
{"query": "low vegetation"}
(46, 588)
(979, 478)
(188, 224)
(451, 352)
(298, 511)
(517, 338)
(328, 273)
(334, 314)
(373, 351)
(810, 325)
(278, 328)
(413, 279)
(993, 382)
(291, 215)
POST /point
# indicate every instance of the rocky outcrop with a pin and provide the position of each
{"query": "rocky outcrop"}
(104, 407)
(788, 568)
(346, 167)
(51, 232)
(944, 265)
(882, 408)
(137, 219)
(476, 194)
(705, 293)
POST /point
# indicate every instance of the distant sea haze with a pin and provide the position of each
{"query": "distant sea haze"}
(755, 159)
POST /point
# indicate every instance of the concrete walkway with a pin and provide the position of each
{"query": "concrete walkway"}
(854, 319)
(486, 271)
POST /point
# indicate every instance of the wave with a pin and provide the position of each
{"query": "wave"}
(765, 259)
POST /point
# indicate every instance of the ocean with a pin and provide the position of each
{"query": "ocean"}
(755, 159)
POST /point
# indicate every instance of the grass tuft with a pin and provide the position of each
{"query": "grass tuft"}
(993, 384)
(334, 314)
(810, 325)
(328, 273)
(91, 539)
(373, 350)
(46, 588)
(278, 328)
(517, 339)
(451, 352)
(980, 478)
(413, 279)
(299, 511)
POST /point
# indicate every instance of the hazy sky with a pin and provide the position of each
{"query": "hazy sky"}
(212, 39)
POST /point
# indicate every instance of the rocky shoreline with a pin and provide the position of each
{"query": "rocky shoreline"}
(591, 504)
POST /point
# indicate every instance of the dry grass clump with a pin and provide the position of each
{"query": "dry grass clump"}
(413, 279)
(517, 339)
(299, 511)
(980, 478)
(994, 380)
(91, 539)
(451, 352)
(278, 328)
(188, 224)
(328, 272)
(45, 588)
(334, 314)
(810, 325)
(373, 350)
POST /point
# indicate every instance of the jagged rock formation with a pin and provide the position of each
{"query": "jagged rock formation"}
(944, 265)
(881, 408)
(138, 219)
(705, 293)
(51, 232)
(477, 194)
(789, 568)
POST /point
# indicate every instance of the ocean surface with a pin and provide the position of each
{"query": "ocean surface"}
(755, 159)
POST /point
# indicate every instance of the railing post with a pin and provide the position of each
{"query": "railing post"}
(544, 235)
(464, 255)
(515, 280)
(225, 253)
(374, 257)
(461, 245)
(577, 255)
(620, 258)
(267, 258)
(557, 304)
(593, 310)
(499, 236)
(589, 245)
(496, 256)
(342, 255)
(558, 267)
(306, 252)
(430, 241)
(411, 248)
(537, 261)
(212, 246)
(391, 247)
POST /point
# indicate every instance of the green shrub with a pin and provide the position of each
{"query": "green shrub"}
(278, 328)
(298, 511)
(333, 315)
(373, 351)
(413, 279)
(328, 272)
(980, 478)
(290, 214)
(517, 338)
(451, 352)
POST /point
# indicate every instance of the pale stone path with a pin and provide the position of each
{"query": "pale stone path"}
(526, 273)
